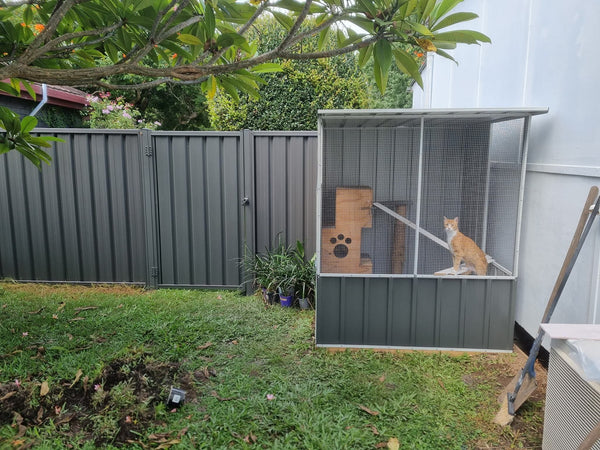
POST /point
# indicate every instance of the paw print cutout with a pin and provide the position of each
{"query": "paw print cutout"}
(340, 243)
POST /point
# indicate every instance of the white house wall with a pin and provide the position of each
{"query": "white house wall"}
(543, 53)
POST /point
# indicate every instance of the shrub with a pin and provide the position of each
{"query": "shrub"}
(105, 112)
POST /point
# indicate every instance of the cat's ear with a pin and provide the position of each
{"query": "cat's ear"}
(456, 219)
(445, 218)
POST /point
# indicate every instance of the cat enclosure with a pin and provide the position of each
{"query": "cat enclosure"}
(387, 178)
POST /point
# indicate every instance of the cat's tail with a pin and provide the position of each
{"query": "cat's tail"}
(481, 267)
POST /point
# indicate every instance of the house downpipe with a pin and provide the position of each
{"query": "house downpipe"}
(43, 102)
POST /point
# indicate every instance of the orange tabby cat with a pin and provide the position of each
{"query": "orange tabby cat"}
(464, 249)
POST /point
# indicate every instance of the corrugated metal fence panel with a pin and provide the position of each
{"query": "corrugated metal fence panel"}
(200, 187)
(285, 190)
(130, 205)
(416, 312)
(79, 219)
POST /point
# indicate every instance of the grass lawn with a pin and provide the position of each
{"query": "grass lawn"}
(88, 367)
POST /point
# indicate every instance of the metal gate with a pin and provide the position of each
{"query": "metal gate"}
(199, 188)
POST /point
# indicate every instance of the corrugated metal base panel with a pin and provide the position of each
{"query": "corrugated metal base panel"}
(572, 404)
(428, 313)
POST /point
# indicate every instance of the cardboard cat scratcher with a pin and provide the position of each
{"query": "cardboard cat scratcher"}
(340, 244)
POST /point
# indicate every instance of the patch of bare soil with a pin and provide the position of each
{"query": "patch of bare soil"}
(526, 429)
(115, 408)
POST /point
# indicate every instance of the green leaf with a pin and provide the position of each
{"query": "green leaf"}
(367, 6)
(173, 47)
(143, 4)
(295, 6)
(364, 54)
(6, 87)
(382, 60)
(454, 19)
(243, 85)
(210, 86)
(112, 52)
(28, 15)
(462, 36)
(363, 23)
(419, 28)
(410, 7)
(228, 39)
(189, 39)
(408, 65)
(29, 88)
(445, 55)
(28, 123)
(380, 77)
(44, 141)
(351, 39)
(209, 21)
(383, 53)
(445, 45)
(230, 89)
(443, 8)
(286, 21)
(267, 67)
(322, 38)
(340, 37)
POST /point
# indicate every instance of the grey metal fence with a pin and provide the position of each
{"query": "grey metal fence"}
(155, 208)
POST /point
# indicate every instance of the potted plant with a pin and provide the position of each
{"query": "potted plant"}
(283, 271)
(258, 270)
(306, 276)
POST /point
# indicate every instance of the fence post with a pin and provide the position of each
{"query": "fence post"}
(150, 208)
(249, 200)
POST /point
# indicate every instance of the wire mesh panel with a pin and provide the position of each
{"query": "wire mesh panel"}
(454, 186)
(506, 163)
(388, 182)
(363, 166)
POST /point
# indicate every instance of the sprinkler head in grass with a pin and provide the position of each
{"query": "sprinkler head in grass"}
(176, 397)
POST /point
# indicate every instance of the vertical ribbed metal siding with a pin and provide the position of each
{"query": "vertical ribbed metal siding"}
(285, 171)
(124, 206)
(79, 219)
(572, 407)
(200, 187)
(415, 312)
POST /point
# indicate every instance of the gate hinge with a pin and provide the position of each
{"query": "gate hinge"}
(154, 272)
(148, 150)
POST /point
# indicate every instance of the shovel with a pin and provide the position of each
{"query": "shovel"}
(523, 384)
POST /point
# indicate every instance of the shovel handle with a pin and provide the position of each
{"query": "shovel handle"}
(591, 198)
(581, 232)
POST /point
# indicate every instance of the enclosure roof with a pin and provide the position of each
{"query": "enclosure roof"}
(410, 117)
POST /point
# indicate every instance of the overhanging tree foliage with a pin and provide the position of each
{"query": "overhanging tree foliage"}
(84, 42)
(290, 99)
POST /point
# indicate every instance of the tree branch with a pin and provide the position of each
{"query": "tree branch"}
(261, 8)
(329, 53)
(296, 26)
(41, 39)
(54, 43)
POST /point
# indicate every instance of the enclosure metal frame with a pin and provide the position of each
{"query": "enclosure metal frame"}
(499, 115)
(385, 118)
